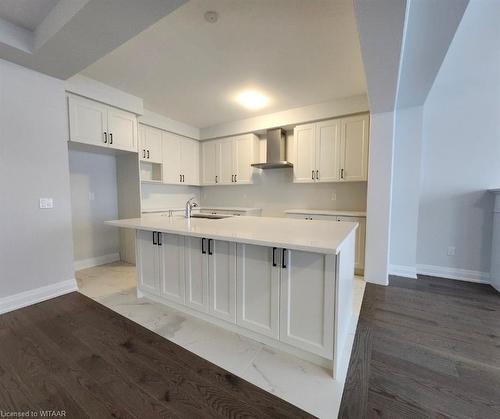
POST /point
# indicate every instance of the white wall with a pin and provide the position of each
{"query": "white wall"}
(406, 191)
(274, 192)
(36, 247)
(379, 195)
(461, 150)
(93, 173)
(160, 197)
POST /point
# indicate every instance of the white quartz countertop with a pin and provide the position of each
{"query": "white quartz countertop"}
(327, 212)
(238, 209)
(310, 236)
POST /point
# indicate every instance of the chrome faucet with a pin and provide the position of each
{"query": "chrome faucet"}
(189, 206)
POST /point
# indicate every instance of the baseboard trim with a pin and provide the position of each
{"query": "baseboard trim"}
(405, 271)
(453, 273)
(27, 298)
(99, 260)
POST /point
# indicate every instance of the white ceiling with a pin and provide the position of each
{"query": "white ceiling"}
(298, 52)
(27, 14)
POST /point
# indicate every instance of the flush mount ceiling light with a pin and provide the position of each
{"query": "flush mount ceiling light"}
(252, 99)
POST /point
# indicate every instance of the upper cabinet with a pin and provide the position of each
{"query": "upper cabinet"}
(228, 161)
(150, 144)
(354, 148)
(181, 160)
(332, 151)
(97, 124)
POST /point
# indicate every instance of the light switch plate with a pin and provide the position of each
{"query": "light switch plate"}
(46, 203)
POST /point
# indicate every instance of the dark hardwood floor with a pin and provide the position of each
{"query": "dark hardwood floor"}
(426, 348)
(71, 353)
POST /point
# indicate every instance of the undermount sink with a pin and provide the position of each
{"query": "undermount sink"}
(209, 216)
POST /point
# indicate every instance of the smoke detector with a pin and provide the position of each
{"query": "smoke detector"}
(211, 16)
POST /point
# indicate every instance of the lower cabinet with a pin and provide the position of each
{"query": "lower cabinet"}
(148, 261)
(307, 301)
(196, 273)
(172, 284)
(210, 276)
(258, 279)
(284, 294)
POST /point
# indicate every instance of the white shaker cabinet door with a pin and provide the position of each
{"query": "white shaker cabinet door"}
(172, 248)
(328, 151)
(148, 261)
(222, 279)
(196, 273)
(190, 161)
(88, 121)
(304, 166)
(122, 130)
(226, 167)
(244, 154)
(258, 289)
(171, 158)
(153, 145)
(209, 162)
(307, 301)
(354, 148)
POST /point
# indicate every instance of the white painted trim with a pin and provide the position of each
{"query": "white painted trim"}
(337, 108)
(95, 90)
(162, 122)
(27, 298)
(99, 260)
(401, 270)
(454, 273)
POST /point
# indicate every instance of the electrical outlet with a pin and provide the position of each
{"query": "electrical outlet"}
(334, 196)
(451, 250)
(46, 203)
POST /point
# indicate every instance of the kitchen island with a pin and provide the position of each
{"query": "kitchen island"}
(284, 282)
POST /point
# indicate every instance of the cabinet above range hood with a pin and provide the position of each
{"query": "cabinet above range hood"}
(276, 150)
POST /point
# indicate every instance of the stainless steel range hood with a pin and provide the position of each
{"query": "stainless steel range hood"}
(276, 150)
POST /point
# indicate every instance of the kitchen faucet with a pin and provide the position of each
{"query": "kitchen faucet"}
(189, 207)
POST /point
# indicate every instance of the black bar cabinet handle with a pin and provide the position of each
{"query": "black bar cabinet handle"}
(283, 262)
(111, 138)
(210, 249)
(148, 154)
(158, 237)
(203, 246)
(105, 137)
(312, 174)
(154, 238)
(274, 256)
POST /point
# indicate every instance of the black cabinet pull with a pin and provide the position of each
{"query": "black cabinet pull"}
(341, 173)
(317, 174)
(203, 246)
(283, 262)
(143, 153)
(105, 137)
(210, 249)
(274, 256)
(154, 238)
(158, 237)
(235, 179)
(148, 154)
(111, 138)
(180, 178)
(215, 179)
(312, 174)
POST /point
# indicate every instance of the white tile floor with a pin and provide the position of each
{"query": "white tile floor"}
(299, 382)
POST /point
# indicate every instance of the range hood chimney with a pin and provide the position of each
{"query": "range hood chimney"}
(276, 150)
